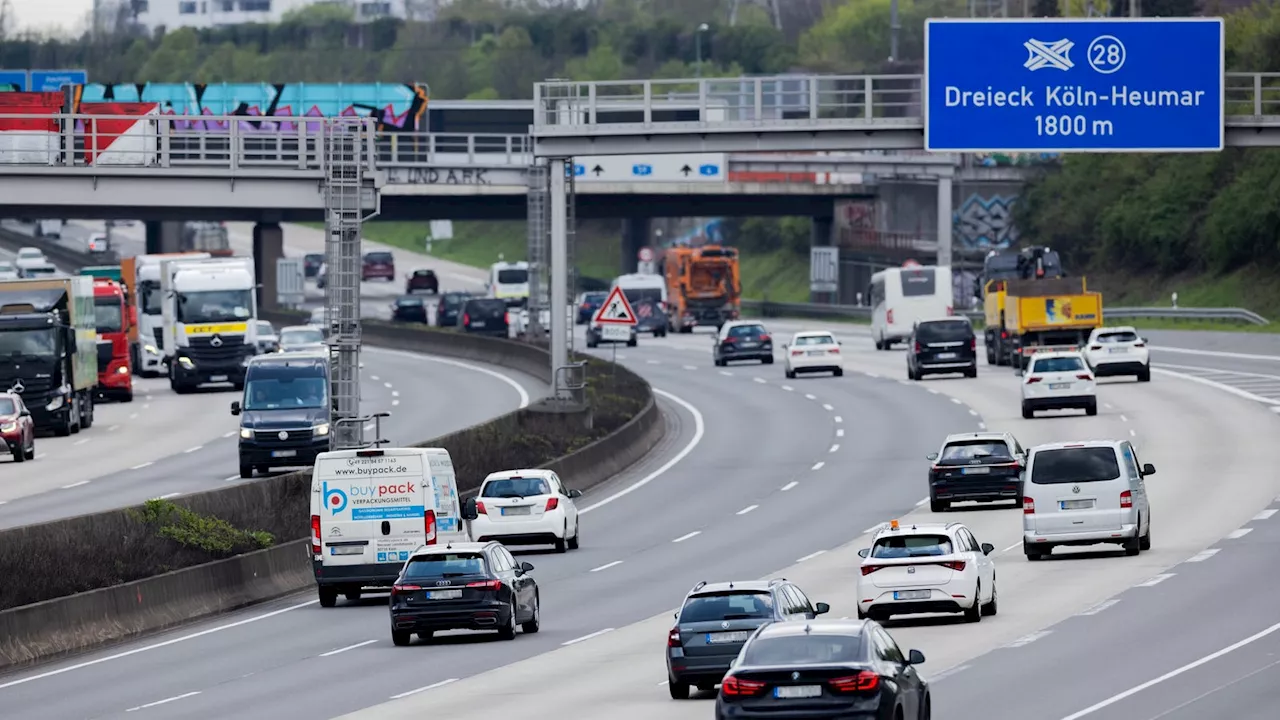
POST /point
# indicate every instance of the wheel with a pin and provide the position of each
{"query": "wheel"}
(508, 631)
(19, 455)
(861, 615)
(879, 344)
(576, 540)
(352, 595)
(561, 544)
(719, 363)
(791, 374)
(246, 472)
(1091, 409)
(632, 342)
(990, 607)
(991, 352)
(329, 596)
(1036, 552)
(535, 623)
(87, 421)
(768, 360)
(64, 429)
(838, 372)
(926, 708)
(1027, 412)
(592, 344)
(678, 690)
(1144, 542)
(973, 614)
(971, 372)
(1144, 375)
(127, 396)
(1133, 545)
(31, 454)
(400, 638)
(939, 506)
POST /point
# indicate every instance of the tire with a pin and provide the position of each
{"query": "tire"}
(791, 374)
(31, 454)
(329, 596)
(246, 472)
(632, 342)
(400, 638)
(1035, 552)
(974, 614)
(990, 608)
(679, 690)
(1145, 374)
(972, 372)
(19, 455)
(63, 430)
(1132, 546)
(1027, 412)
(768, 360)
(127, 397)
(880, 345)
(719, 363)
(926, 708)
(576, 541)
(838, 372)
(535, 623)
(352, 595)
(1144, 542)
(1091, 409)
(87, 421)
(508, 632)
(991, 352)
(939, 506)
(560, 543)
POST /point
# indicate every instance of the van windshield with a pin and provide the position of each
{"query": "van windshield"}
(636, 294)
(282, 393)
(1074, 465)
(444, 565)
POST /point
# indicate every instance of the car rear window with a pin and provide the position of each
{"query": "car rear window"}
(907, 546)
(746, 331)
(299, 337)
(1117, 337)
(595, 298)
(918, 282)
(379, 257)
(815, 340)
(807, 649)
(714, 607)
(492, 305)
(513, 277)
(1074, 465)
(423, 274)
(962, 453)
(515, 487)
(946, 331)
(454, 300)
(1057, 364)
(409, 302)
(445, 565)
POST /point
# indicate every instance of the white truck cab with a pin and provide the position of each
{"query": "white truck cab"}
(148, 300)
(210, 317)
(509, 281)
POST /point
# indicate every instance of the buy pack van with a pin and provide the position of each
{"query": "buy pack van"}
(370, 509)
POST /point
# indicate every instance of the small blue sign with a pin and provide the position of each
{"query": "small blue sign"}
(1063, 84)
(54, 80)
(641, 169)
(399, 512)
(577, 170)
(709, 170)
(13, 80)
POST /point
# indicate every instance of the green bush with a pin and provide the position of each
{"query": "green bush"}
(212, 535)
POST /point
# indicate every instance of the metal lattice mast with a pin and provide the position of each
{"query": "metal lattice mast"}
(344, 183)
(539, 251)
(571, 229)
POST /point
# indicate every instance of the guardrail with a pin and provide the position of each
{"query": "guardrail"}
(767, 308)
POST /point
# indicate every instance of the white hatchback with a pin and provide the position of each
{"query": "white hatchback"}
(1118, 351)
(813, 352)
(527, 507)
(1058, 381)
(926, 568)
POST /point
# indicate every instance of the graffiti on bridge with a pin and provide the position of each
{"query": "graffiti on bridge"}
(1015, 159)
(396, 107)
(986, 223)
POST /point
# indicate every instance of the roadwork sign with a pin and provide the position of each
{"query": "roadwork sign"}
(616, 310)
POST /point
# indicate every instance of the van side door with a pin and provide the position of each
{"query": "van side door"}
(1133, 469)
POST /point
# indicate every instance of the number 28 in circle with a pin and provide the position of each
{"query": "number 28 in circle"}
(1106, 54)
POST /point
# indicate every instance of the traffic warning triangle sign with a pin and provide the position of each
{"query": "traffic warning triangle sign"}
(616, 310)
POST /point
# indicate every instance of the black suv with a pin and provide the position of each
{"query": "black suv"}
(449, 309)
(485, 316)
(942, 346)
(976, 466)
(409, 308)
(742, 340)
(464, 586)
(717, 618)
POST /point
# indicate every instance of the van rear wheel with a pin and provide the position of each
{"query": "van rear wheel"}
(328, 596)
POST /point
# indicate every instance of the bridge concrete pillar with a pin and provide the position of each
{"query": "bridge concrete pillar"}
(821, 234)
(163, 236)
(268, 247)
(945, 221)
(635, 235)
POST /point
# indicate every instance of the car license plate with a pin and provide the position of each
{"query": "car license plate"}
(946, 356)
(516, 510)
(816, 353)
(911, 595)
(1059, 386)
(1076, 504)
(284, 453)
(477, 323)
(749, 344)
(975, 471)
(444, 594)
(347, 550)
(798, 691)
(218, 378)
(727, 637)
(1117, 350)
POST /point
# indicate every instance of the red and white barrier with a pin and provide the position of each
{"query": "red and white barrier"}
(129, 137)
(29, 128)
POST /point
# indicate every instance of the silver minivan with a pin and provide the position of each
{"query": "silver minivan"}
(1085, 493)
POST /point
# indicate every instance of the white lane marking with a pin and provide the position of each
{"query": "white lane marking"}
(113, 427)
(606, 566)
(331, 653)
(699, 428)
(1015, 545)
(955, 400)
(1133, 433)
(948, 673)
(808, 396)
(75, 484)
(826, 407)
(760, 380)
(1237, 534)
(386, 384)
(686, 536)
(1106, 405)
(395, 393)
(133, 416)
(1217, 385)
(229, 433)
(690, 367)
(1203, 555)
(935, 392)
(395, 403)
(654, 362)
(1172, 674)
(1028, 639)
(811, 556)
(40, 455)
(4, 502)
(838, 419)
(81, 442)
(162, 702)
(139, 467)
(834, 448)
(1099, 607)
(588, 636)
(1124, 419)
(1218, 353)
(229, 479)
(973, 412)
(192, 449)
(817, 466)
(375, 377)
(1155, 580)
(982, 426)
(146, 406)
(1265, 514)
(788, 388)
(747, 509)
(155, 646)
(524, 394)
(424, 688)
(789, 485)
(904, 382)
(839, 432)
(726, 373)
(918, 504)
(872, 375)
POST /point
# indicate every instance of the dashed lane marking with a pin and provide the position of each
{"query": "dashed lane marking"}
(606, 566)
(229, 433)
(838, 419)
(921, 502)
(811, 556)
(973, 412)
(834, 447)
(1237, 534)
(827, 407)
(1155, 580)
(1099, 607)
(956, 401)
(192, 449)
(747, 509)
(424, 688)
(726, 373)
(139, 467)
(1265, 514)
(686, 536)
(586, 637)
(75, 484)
(839, 432)
(164, 701)
(817, 466)
(1028, 639)
(340, 650)
(760, 380)
(81, 441)
(1203, 555)
(789, 485)
(788, 388)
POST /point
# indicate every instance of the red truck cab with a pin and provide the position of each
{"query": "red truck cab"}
(114, 319)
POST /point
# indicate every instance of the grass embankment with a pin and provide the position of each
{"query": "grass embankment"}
(1251, 288)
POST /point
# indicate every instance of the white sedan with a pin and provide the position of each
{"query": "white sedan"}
(1118, 351)
(1058, 381)
(812, 352)
(527, 507)
(926, 568)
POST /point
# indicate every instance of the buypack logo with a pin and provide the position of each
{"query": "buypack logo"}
(334, 499)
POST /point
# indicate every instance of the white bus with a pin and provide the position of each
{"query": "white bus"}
(901, 297)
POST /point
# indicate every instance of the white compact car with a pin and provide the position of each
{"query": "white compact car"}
(1118, 351)
(1058, 381)
(813, 352)
(29, 257)
(926, 568)
(527, 507)
(1085, 493)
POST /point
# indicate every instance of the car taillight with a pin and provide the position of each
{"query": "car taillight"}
(919, 348)
(834, 351)
(480, 508)
(765, 338)
(485, 585)
(586, 306)
(1033, 380)
(397, 589)
(1083, 376)
(552, 504)
(1126, 499)
(865, 681)
(673, 638)
(737, 687)
(466, 319)
(795, 353)
(1095, 347)
(957, 565)
(1004, 334)
(1028, 506)
(868, 569)
(888, 317)
(973, 344)
(506, 318)
(729, 340)
(429, 524)
(315, 535)
(950, 311)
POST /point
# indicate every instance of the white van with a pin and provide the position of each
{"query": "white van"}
(641, 286)
(901, 297)
(510, 282)
(370, 509)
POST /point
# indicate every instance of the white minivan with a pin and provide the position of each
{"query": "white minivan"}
(1085, 493)
(370, 509)
(901, 297)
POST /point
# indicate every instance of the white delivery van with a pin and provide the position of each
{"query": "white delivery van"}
(370, 509)
(510, 282)
(902, 297)
(641, 286)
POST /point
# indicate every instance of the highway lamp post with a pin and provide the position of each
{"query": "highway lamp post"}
(697, 42)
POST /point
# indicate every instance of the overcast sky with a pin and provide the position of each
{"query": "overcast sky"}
(50, 15)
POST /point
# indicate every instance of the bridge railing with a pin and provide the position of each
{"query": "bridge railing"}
(410, 149)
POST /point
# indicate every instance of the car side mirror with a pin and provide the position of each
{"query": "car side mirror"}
(25, 413)
(574, 494)
(988, 548)
(526, 567)
(839, 342)
(235, 407)
(864, 552)
(784, 346)
(821, 609)
(469, 509)
(931, 457)
(1148, 469)
(915, 657)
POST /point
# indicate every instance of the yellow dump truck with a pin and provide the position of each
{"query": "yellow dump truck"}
(1044, 314)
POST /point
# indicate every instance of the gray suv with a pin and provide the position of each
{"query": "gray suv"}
(715, 621)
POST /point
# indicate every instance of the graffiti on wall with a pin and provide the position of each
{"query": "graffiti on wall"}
(986, 223)
(395, 107)
(1015, 159)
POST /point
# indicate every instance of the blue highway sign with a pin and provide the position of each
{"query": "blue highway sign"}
(13, 80)
(53, 80)
(1054, 85)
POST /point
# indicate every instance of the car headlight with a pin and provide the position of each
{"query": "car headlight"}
(55, 403)
(122, 370)
(246, 433)
(321, 429)
(151, 349)
(9, 427)
(186, 362)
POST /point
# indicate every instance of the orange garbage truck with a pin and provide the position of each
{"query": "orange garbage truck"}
(704, 286)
